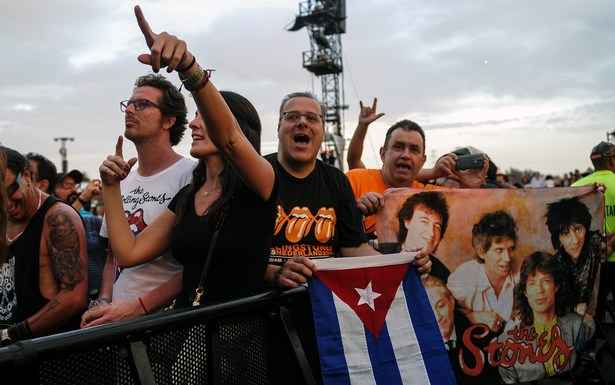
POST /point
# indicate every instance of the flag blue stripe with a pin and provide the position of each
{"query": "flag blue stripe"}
(426, 328)
(331, 351)
(382, 356)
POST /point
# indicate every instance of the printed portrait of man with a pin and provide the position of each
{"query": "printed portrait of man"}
(543, 322)
(423, 219)
(484, 286)
(443, 305)
(576, 247)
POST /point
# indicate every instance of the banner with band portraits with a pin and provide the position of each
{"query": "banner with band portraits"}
(514, 276)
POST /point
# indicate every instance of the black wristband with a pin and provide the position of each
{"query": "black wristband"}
(389, 247)
(20, 331)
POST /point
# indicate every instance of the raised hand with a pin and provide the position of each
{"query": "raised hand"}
(166, 50)
(115, 168)
(368, 114)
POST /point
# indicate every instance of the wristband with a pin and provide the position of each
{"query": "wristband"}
(389, 247)
(19, 331)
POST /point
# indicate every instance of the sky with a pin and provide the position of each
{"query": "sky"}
(531, 83)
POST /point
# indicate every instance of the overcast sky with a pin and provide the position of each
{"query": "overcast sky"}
(532, 83)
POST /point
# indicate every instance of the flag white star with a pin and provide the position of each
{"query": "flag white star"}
(367, 296)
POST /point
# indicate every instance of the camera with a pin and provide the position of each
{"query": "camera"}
(470, 162)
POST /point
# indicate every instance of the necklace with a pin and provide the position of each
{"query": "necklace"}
(38, 206)
(206, 193)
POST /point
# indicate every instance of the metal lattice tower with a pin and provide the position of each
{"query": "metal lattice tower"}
(325, 21)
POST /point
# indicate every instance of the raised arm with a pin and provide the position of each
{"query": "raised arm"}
(168, 51)
(355, 150)
(128, 249)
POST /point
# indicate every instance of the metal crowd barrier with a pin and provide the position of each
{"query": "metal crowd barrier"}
(218, 344)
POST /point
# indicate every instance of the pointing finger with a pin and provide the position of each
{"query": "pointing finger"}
(145, 28)
(374, 104)
(118, 146)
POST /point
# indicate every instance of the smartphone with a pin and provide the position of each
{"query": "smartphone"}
(470, 162)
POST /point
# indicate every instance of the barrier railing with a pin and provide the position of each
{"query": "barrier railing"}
(218, 344)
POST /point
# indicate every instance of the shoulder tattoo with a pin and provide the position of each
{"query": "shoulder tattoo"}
(64, 249)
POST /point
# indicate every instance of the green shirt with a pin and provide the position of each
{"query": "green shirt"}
(607, 178)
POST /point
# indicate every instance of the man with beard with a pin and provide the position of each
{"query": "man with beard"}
(43, 280)
(155, 117)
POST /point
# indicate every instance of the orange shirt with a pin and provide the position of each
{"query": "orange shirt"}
(364, 180)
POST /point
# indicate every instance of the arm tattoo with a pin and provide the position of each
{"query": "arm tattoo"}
(64, 248)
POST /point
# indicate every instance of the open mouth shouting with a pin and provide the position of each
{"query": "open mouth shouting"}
(301, 140)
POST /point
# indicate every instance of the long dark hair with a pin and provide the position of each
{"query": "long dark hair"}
(3, 216)
(545, 263)
(250, 125)
(563, 214)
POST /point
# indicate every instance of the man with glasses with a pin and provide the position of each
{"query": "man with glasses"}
(155, 121)
(317, 217)
(43, 280)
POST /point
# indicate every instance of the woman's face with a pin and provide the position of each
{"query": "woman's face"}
(202, 146)
(572, 239)
(540, 291)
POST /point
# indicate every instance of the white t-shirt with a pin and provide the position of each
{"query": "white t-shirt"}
(144, 198)
(472, 291)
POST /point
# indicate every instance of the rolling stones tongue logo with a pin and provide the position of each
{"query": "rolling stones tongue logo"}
(325, 224)
(135, 221)
(300, 220)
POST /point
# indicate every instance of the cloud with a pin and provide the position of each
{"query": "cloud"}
(23, 107)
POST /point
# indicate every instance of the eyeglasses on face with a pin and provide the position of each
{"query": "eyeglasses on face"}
(294, 116)
(13, 187)
(138, 104)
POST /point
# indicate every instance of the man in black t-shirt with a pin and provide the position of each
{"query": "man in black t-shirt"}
(317, 217)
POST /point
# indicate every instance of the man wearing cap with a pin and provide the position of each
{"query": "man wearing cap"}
(66, 186)
(43, 280)
(603, 160)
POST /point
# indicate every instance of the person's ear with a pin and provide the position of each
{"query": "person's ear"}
(382, 152)
(169, 121)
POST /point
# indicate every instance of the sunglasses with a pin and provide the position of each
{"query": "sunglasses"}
(13, 187)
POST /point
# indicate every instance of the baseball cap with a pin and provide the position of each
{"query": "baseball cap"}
(75, 174)
(603, 150)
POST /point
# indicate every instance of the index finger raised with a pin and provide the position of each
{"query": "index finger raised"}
(118, 147)
(144, 26)
(374, 104)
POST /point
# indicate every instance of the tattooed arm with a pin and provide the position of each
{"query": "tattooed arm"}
(64, 260)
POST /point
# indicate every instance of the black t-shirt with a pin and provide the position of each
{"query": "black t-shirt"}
(241, 252)
(316, 215)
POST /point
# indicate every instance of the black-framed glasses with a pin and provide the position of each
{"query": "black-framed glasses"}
(13, 187)
(138, 104)
(294, 116)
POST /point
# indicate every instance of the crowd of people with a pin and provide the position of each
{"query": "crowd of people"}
(171, 224)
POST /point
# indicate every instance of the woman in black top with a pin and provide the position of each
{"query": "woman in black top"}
(232, 181)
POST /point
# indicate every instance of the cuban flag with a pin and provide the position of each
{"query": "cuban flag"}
(374, 323)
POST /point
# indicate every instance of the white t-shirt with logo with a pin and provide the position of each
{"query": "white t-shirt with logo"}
(144, 198)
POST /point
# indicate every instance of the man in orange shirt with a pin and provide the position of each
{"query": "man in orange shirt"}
(403, 156)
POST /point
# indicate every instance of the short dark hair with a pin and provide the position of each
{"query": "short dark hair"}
(46, 169)
(303, 94)
(433, 200)
(14, 160)
(172, 103)
(547, 264)
(490, 226)
(562, 214)
(406, 125)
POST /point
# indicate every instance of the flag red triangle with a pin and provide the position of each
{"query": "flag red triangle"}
(385, 280)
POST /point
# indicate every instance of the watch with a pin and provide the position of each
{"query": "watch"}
(5, 339)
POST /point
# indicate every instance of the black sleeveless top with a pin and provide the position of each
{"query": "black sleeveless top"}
(26, 253)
